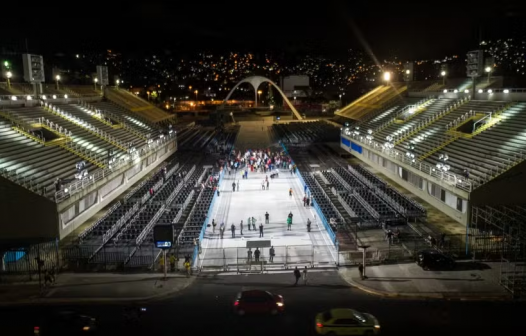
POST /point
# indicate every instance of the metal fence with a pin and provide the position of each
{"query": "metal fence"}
(285, 257)
(20, 264)
(109, 258)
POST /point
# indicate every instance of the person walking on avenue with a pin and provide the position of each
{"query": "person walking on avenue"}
(304, 275)
(233, 186)
(290, 192)
(289, 224)
(360, 269)
(267, 184)
(304, 200)
(233, 229)
(261, 230)
(237, 185)
(267, 217)
(241, 227)
(305, 189)
(263, 185)
(297, 275)
(214, 226)
(248, 224)
(253, 223)
(257, 253)
(222, 231)
(249, 256)
(271, 254)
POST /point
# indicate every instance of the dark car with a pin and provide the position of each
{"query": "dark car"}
(66, 323)
(258, 302)
(434, 260)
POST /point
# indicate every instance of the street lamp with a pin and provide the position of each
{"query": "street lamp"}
(443, 74)
(364, 249)
(488, 70)
(9, 74)
(117, 82)
(95, 80)
(259, 95)
(196, 92)
(387, 76)
(57, 78)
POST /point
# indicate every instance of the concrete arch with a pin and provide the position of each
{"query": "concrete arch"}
(256, 81)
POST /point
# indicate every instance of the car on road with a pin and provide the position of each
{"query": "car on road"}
(258, 302)
(66, 323)
(434, 260)
(345, 321)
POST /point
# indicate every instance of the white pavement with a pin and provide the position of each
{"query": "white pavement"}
(292, 248)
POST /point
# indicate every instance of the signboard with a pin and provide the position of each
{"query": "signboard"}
(163, 244)
(163, 236)
(258, 243)
(102, 75)
(474, 63)
(33, 68)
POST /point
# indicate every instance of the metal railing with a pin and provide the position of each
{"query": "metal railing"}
(451, 179)
(85, 125)
(235, 259)
(124, 162)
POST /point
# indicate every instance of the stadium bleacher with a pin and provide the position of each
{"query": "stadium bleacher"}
(302, 132)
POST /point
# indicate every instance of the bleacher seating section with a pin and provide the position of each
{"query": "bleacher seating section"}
(382, 97)
(137, 105)
(31, 160)
(306, 132)
(124, 235)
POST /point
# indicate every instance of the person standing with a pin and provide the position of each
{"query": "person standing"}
(267, 184)
(304, 275)
(249, 256)
(214, 224)
(289, 224)
(297, 275)
(222, 231)
(290, 192)
(237, 185)
(257, 253)
(233, 186)
(233, 229)
(261, 230)
(241, 227)
(248, 224)
(254, 223)
(267, 216)
(271, 254)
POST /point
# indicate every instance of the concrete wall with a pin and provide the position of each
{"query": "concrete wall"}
(83, 208)
(25, 214)
(506, 189)
(427, 189)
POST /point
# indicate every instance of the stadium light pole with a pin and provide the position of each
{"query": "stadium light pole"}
(9, 74)
(488, 70)
(95, 80)
(117, 82)
(443, 74)
(387, 77)
(57, 79)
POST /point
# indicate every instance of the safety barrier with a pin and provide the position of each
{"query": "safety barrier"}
(331, 233)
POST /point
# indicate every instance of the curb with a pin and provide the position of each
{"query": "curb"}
(155, 297)
(438, 296)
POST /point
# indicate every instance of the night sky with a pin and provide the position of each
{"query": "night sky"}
(430, 29)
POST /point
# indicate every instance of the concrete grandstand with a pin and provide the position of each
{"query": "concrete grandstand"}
(413, 147)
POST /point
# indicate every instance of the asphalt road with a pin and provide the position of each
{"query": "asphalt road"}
(205, 308)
